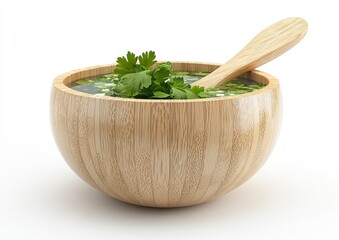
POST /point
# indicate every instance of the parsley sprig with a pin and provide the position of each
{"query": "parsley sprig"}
(141, 77)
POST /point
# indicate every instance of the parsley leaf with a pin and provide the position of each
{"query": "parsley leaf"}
(190, 94)
(158, 94)
(126, 65)
(178, 82)
(194, 92)
(147, 59)
(178, 93)
(132, 83)
(162, 71)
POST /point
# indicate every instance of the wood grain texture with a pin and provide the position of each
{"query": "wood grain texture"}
(265, 46)
(165, 153)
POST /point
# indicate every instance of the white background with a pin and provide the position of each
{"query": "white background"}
(294, 196)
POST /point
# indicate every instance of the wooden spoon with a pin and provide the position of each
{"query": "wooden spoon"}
(265, 46)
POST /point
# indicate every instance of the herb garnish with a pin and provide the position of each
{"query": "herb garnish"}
(137, 78)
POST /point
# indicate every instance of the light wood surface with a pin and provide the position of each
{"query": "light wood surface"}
(265, 46)
(165, 153)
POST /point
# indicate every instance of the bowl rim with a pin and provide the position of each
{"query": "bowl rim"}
(59, 83)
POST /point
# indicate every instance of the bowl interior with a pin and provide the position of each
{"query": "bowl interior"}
(63, 81)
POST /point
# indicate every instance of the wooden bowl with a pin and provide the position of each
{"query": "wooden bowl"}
(165, 153)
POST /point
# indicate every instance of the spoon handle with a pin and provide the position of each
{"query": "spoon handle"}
(265, 46)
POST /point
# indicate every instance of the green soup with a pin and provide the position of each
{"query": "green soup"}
(102, 85)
